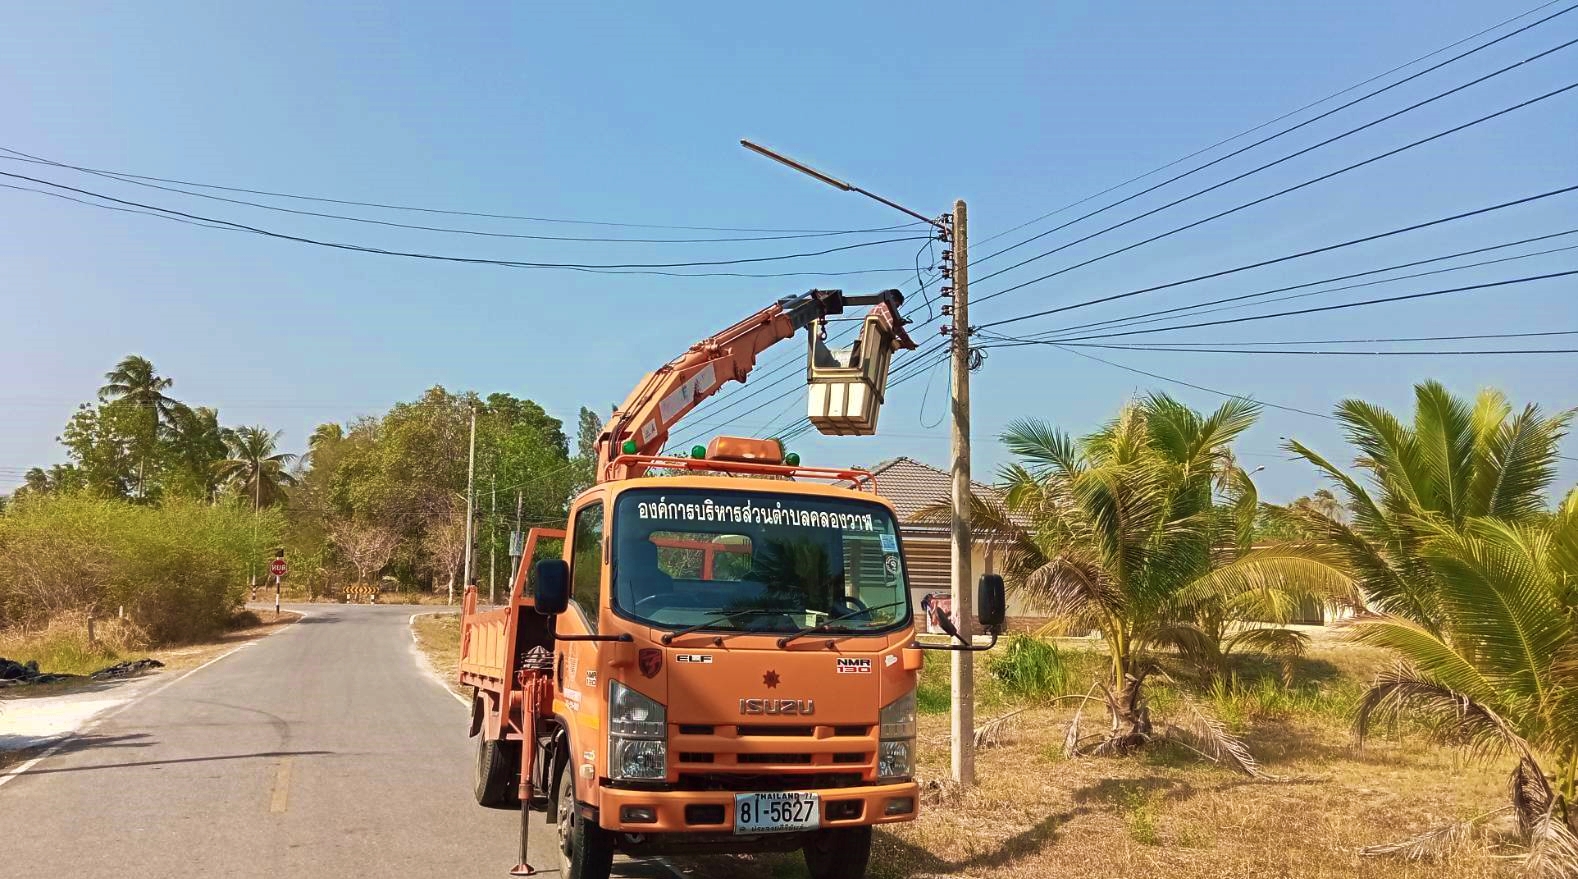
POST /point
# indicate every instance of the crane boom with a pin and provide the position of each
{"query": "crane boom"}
(664, 396)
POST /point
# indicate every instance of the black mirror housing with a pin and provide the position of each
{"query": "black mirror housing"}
(991, 603)
(552, 592)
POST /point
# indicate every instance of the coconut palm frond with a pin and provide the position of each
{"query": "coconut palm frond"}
(1281, 575)
(1191, 643)
(1457, 716)
(1391, 450)
(1209, 737)
(1285, 645)
(1443, 430)
(1432, 845)
(990, 734)
(1045, 447)
(1553, 847)
(1424, 652)
(1531, 793)
(1518, 460)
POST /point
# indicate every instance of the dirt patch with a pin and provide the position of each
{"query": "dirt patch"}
(438, 637)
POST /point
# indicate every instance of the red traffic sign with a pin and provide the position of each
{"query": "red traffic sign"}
(277, 567)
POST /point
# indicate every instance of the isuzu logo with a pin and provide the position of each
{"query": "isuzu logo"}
(798, 707)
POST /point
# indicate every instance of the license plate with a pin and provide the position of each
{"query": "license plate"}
(776, 812)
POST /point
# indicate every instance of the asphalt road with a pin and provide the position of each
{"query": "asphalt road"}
(323, 750)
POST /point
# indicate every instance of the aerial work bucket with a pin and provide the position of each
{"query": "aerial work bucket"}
(846, 385)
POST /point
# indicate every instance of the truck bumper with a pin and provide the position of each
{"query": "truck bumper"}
(712, 812)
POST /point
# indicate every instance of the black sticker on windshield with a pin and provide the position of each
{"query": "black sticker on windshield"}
(891, 564)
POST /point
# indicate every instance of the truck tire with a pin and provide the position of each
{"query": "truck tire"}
(586, 851)
(497, 773)
(841, 853)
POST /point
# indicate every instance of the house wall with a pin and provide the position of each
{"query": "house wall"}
(929, 560)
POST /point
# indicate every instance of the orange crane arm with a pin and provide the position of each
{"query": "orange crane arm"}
(663, 397)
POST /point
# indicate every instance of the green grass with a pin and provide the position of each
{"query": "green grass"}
(63, 648)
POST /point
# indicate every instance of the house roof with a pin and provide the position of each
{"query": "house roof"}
(912, 486)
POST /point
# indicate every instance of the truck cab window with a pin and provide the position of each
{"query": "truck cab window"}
(586, 559)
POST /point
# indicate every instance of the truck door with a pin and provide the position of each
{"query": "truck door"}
(578, 677)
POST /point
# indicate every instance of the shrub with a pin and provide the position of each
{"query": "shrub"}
(1030, 667)
(178, 569)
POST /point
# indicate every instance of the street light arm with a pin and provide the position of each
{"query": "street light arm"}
(835, 182)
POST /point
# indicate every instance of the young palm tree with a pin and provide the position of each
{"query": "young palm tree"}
(324, 437)
(1143, 532)
(1498, 672)
(134, 382)
(254, 468)
(1456, 462)
(196, 442)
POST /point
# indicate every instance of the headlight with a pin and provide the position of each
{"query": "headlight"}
(637, 735)
(896, 751)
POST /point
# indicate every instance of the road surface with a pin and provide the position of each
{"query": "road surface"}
(323, 750)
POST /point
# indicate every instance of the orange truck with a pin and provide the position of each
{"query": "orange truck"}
(722, 657)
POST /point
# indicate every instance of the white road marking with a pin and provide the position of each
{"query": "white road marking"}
(92, 723)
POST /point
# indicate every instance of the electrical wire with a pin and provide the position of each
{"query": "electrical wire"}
(1183, 346)
(1012, 342)
(1377, 353)
(1198, 387)
(25, 157)
(1281, 192)
(1200, 307)
(1269, 122)
(1292, 256)
(453, 213)
(448, 258)
(1279, 134)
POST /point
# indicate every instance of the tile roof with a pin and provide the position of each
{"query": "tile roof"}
(911, 485)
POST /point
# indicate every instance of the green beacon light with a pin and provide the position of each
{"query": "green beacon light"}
(629, 447)
(792, 459)
(698, 452)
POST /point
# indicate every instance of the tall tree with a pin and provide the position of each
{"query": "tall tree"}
(134, 382)
(194, 443)
(254, 469)
(102, 443)
(368, 547)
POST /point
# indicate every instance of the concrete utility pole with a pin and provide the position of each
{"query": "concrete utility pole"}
(963, 678)
(471, 475)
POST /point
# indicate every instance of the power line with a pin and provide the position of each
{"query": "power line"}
(1197, 387)
(1311, 310)
(1310, 182)
(455, 213)
(1200, 307)
(1184, 346)
(1248, 131)
(1285, 131)
(1376, 353)
(446, 258)
(39, 160)
(1292, 256)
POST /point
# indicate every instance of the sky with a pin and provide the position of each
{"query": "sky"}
(631, 113)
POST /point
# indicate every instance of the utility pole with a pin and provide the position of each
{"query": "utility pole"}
(955, 267)
(963, 677)
(493, 534)
(471, 475)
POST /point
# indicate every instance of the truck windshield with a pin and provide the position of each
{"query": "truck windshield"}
(691, 556)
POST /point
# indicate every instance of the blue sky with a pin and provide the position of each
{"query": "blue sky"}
(631, 114)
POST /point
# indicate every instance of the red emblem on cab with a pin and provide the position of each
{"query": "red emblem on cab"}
(650, 661)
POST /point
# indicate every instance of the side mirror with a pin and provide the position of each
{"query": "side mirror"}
(991, 606)
(552, 593)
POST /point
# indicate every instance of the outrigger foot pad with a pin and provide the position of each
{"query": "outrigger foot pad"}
(523, 869)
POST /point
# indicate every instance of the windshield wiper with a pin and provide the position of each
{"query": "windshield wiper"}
(668, 637)
(824, 627)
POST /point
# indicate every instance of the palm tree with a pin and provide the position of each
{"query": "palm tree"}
(1456, 462)
(324, 438)
(254, 468)
(1499, 670)
(133, 382)
(1143, 532)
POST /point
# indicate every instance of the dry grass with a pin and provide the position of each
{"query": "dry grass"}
(1166, 813)
(438, 637)
(62, 647)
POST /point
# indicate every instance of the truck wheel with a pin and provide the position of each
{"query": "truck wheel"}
(497, 773)
(841, 853)
(586, 851)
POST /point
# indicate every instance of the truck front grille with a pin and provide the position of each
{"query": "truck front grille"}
(739, 781)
